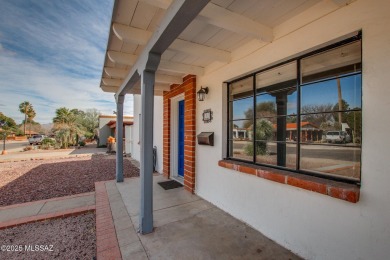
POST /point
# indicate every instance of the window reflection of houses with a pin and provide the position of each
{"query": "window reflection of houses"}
(309, 132)
(240, 133)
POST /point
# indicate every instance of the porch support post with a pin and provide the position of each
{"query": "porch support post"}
(147, 110)
(119, 138)
(281, 103)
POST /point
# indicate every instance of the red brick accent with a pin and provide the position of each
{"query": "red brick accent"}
(106, 240)
(188, 87)
(339, 190)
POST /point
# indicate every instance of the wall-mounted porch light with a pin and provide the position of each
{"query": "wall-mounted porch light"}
(202, 93)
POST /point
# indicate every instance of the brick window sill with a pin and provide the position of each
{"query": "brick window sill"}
(339, 190)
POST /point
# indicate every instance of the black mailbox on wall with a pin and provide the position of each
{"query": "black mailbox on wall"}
(206, 138)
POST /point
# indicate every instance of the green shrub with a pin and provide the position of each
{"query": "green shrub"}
(82, 143)
(48, 141)
(264, 132)
(89, 135)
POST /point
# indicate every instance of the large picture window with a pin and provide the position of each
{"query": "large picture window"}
(304, 115)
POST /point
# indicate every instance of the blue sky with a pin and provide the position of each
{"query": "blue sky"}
(321, 93)
(52, 54)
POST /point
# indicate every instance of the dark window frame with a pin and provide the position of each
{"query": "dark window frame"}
(299, 84)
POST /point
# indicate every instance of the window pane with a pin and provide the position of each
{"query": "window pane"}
(342, 128)
(240, 149)
(281, 77)
(241, 89)
(276, 91)
(242, 108)
(331, 160)
(332, 95)
(332, 63)
(283, 128)
(267, 153)
(241, 129)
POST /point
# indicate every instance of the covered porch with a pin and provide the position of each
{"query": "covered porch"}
(257, 60)
(185, 227)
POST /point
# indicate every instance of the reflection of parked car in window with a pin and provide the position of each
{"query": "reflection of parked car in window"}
(338, 137)
(36, 139)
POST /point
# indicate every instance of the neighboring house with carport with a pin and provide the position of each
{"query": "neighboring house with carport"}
(107, 128)
(322, 201)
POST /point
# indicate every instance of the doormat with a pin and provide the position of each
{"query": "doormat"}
(168, 185)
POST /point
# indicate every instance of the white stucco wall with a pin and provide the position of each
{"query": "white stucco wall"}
(312, 225)
(157, 129)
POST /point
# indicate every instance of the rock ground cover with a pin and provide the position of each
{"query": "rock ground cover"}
(68, 238)
(27, 181)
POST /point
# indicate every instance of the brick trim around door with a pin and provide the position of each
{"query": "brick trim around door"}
(188, 87)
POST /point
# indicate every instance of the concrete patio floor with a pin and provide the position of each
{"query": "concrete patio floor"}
(186, 227)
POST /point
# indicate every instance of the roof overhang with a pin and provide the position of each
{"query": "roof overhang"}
(190, 37)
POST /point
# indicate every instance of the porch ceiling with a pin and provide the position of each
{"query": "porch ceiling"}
(221, 28)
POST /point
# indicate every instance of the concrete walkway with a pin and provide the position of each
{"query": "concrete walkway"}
(186, 227)
(18, 214)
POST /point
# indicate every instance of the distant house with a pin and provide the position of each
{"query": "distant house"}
(240, 133)
(107, 128)
(31, 133)
(309, 132)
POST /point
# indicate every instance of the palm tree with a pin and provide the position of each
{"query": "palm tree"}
(30, 117)
(66, 126)
(25, 108)
(64, 116)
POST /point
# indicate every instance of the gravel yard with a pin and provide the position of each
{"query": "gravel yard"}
(68, 238)
(38, 180)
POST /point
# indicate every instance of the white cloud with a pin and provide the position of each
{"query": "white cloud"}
(48, 89)
(51, 54)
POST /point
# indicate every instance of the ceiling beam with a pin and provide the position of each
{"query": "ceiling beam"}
(177, 17)
(223, 18)
(111, 89)
(163, 4)
(162, 78)
(116, 73)
(343, 2)
(131, 34)
(195, 49)
(226, 19)
(177, 67)
(111, 82)
(178, 45)
(122, 58)
(163, 87)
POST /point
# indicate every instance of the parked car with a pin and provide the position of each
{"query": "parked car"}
(337, 137)
(36, 139)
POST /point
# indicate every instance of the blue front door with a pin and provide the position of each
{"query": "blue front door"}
(181, 140)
